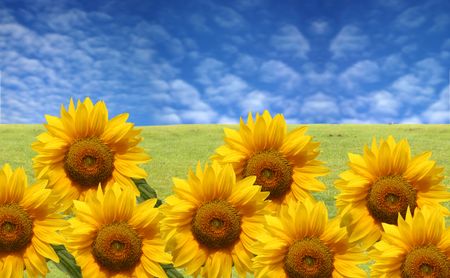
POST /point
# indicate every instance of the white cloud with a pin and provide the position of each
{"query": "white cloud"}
(18, 36)
(319, 26)
(185, 94)
(258, 101)
(417, 87)
(393, 64)
(52, 67)
(410, 48)
(227, 89)
(391, 3)
(349, 40)
(379, 106)
(228, 18)
(158, 35)
(209, 70)
(199, 22)
(68, 21)
(249, 4)
(440, 23)
(366, 71)
(319, 108)
(274, 71)
(198, 116)
(446, 44)
(411, 120)
(411, 18)
(439, 111)
(290, 41)
(6, 16)
(359, 121)
(194, 109)
(383, 104)
(325, 77)
(429, 70)
(412, 90)
(246, 64)
(169, 116)
(228, 120)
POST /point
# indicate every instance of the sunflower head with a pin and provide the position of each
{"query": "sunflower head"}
(30, 221)
(212, 221)
(83, 148)
(417, 247)
(384, 182)
(284, 163)
(111, 235)
(301, 242)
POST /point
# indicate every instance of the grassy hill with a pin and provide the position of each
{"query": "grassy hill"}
(175, 149)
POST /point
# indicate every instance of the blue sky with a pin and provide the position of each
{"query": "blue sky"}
(175, 62)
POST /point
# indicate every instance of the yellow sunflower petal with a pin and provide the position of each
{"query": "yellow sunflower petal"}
(386, 173)
(83, 134)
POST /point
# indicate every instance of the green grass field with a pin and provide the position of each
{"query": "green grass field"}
(175, 149)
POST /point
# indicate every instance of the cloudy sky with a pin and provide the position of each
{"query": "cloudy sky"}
(175, 62)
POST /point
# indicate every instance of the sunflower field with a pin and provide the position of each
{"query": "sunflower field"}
(88, 194)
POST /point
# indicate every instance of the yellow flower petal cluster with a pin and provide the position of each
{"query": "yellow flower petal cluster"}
(284, 163)
(301, 242)
(111, 236)
(418, 246)
(83, 149)
(212, 221)
(29, 223)
(383, 182)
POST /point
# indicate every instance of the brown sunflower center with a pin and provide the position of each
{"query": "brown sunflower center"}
(117, 247)
(216, 225)
(16, 228)
(426, 261)
(390, 196)
(89, 162)
(308, 258)
(272, 170)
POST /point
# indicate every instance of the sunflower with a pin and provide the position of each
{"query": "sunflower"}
(301, 242)
(29, 223)
(419, 246)
(111, 236)
(386, 181)
(212, 221)
(284, 163)
(83, 149)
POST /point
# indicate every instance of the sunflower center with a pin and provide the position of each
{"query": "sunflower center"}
(390, 196)
(16, 228)
(272, 170)
(89, 162)
(216, 225)
(426, 261)
(117, 247)
(308, 258)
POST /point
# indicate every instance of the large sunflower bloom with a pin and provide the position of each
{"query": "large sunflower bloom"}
(284, 163)
(111, 236)
(83, 148)
(301, 242)
(29, 223)
(212, 221)
(384, 182)
(419, 246)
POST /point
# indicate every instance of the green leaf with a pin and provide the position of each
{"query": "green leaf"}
(147, 192)
(171, 271)
(67, 262)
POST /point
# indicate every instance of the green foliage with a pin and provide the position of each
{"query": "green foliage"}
(146, 191)
(67, 262)
(175, 149)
